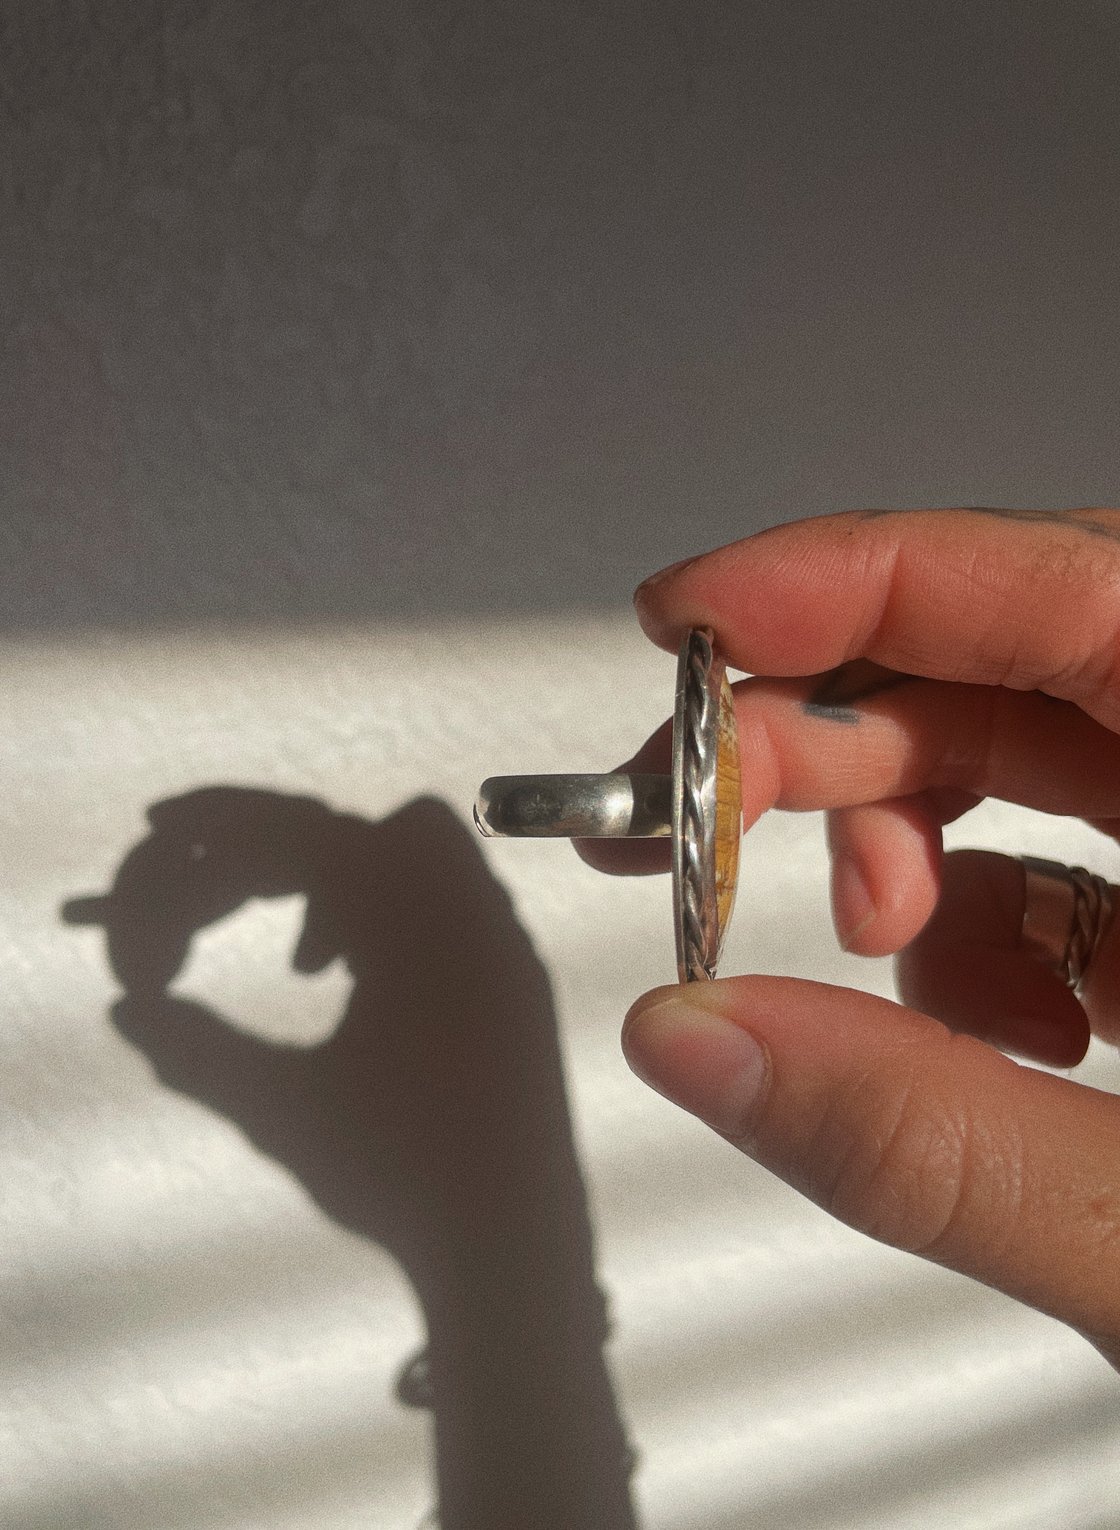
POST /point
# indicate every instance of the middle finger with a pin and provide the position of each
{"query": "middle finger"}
(860, 734)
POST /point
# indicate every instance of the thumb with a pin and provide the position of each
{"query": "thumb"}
(928, 1140)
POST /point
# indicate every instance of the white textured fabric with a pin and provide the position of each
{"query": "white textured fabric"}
(190, 1341)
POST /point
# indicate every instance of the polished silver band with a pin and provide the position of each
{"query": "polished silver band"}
(1066, 912)
(618, 806)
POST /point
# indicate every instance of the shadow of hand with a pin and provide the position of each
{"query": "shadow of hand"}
(434, 1120)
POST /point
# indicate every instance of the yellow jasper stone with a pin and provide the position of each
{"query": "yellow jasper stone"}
(729, 809)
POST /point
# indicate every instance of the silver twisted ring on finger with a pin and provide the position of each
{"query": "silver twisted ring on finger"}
(1066, 913)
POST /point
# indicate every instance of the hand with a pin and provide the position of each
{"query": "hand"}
(951, 655)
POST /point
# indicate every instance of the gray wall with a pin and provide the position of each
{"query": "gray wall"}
(389, 309)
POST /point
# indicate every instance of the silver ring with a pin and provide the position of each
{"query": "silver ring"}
(698, 807)
(1066, 913)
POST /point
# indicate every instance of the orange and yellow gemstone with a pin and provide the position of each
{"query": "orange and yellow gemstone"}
(729, 809)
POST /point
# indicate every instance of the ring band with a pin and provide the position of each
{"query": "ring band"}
(1066, 913)
(618, 806)
(698, 808)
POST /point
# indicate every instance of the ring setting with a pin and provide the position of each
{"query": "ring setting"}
(698, 808)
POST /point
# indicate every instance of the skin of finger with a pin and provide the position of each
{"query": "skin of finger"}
(968, 968)
(890, 853)
(962, 595)
(1006, 998)
(920, 735)
(983, 740)
(930, 1141)
(781, 765)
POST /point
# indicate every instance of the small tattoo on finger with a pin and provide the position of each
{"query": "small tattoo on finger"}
(836, 692)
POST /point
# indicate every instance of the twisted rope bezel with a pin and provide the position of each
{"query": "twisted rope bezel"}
(1092, 914)
(1064, 935)
(695, 750)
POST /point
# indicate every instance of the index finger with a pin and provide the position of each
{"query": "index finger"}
(1028, 599)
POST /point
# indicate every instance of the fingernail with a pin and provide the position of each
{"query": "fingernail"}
(663, 574)
(699, 1059)
(851, 901)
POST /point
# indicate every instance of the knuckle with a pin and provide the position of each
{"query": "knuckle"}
(1090, 566)
(898, 1162)
(1071, 551)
